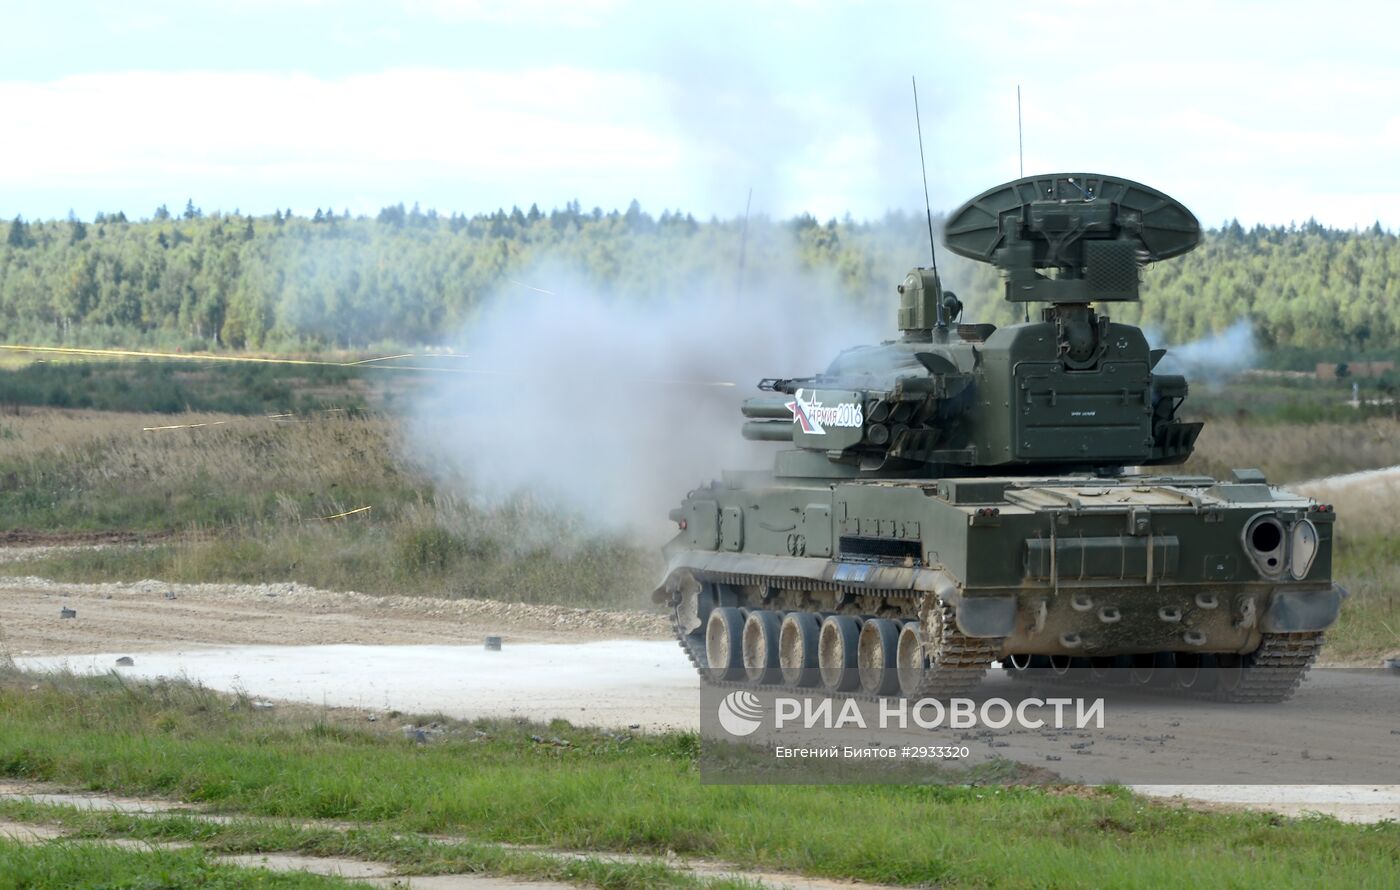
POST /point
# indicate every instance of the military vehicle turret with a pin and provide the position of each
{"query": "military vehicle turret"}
(966, 493)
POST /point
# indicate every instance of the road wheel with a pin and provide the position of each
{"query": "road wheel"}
(761, 647)
(837, 653)
(878, 647)
(724, 644)
(797, 649)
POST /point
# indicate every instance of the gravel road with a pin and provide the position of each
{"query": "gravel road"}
(143, 616)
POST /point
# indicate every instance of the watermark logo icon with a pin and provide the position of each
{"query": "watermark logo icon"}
(740, 713)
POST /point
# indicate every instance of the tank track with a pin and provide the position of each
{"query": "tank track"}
(960, 663)
(1273, 672)
(1268, 675)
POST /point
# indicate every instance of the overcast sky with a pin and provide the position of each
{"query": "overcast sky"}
(1269, 112)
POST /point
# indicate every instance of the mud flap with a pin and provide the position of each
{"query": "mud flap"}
(1297, 611)
(662, 594)
(678, 580)
(986, 616)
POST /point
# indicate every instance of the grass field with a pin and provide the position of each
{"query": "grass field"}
(1275, 398)
(412, 855)
(1290, 452)
(251, 499)
(65, 865)
(602, 792)
(172, 387)
(1369, 626)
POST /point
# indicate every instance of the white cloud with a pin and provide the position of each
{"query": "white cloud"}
(807, 106)
(196, 132)
(1232, 141)
(469, 140)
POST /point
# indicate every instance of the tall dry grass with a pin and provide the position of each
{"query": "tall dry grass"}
(1367, 504)
(1292, 452)
(1366, 561)
(252, 500)
(94, 449)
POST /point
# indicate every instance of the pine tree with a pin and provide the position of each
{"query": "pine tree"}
(19, 233)
(391, 216)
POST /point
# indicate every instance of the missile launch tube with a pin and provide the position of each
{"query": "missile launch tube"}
(768, 431)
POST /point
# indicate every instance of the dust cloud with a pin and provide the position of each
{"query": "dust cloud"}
(613, 409)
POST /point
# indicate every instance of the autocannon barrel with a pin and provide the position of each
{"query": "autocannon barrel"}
(768, 431)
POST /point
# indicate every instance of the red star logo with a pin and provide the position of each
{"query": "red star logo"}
(800, 415)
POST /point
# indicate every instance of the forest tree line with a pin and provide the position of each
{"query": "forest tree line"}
(329, 280)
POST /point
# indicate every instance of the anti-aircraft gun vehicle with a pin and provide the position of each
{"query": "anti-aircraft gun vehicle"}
(966, 493)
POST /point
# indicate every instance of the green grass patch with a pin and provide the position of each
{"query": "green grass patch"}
(608, 792)
(1369, 625)
(408, 854)
(62, 865)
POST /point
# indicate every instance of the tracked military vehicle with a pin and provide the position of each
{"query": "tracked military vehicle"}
(968, 494)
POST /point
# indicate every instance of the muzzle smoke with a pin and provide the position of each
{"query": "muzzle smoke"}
(1212, 359)
(614, 409)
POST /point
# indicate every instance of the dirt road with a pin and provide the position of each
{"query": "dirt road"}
(144, 616)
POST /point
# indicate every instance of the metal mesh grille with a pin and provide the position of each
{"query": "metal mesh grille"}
(1111, 268)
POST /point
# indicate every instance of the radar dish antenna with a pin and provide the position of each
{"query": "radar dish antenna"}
(1095, 231)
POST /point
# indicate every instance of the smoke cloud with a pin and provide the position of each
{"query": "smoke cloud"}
(613, 408)
(1212, 359)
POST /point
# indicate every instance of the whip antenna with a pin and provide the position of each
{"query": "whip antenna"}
(1020, 141)
(1021, 155)
(928, 210)
(923, 168)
